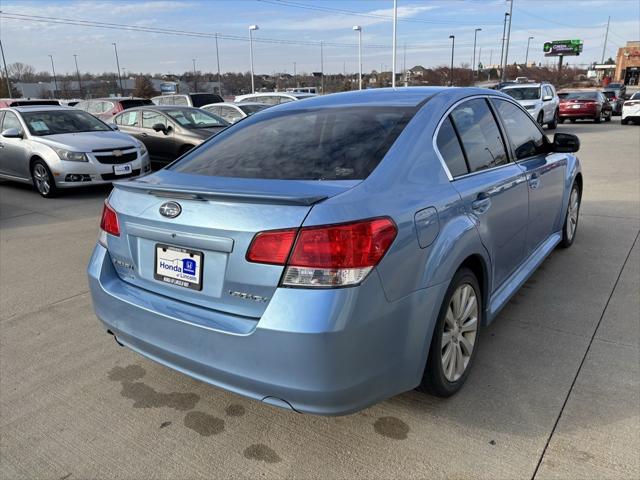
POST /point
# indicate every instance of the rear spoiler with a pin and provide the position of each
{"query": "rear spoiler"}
(180, 192)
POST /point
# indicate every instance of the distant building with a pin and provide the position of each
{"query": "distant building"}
(628, 64)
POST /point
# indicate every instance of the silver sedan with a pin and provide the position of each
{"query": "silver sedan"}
(60, 147)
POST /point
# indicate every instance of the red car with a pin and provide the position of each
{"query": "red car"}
(585, 105)
(106, 108)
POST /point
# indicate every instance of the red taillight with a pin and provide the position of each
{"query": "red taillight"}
(272, 247)
(109, 220)
(352, 245)
(325, 256)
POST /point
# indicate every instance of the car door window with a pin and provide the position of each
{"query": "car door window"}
(128, 119)
(481, 139)
(149, 119)
(180, 100)
(106, 106)
(525, 137)
(450, 150)
(11, 121)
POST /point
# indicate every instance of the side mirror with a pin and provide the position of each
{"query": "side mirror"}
(113, 126)
(565, 143)
(159, 127)
(546, 98)
(12, 133)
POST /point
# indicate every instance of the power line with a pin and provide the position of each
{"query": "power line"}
(341, 11)
(545, 19)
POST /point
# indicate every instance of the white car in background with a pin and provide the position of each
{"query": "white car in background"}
(232, 112)
(57, 147)
(631, 110)
(273, 98)
(539, 99)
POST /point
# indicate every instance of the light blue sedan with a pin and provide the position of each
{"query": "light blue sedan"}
(330, 253)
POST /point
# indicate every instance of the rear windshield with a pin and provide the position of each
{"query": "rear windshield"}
(249, 109)
(135, 103)
(311, 144)
(524, 93)
(200, 99)
(582, 96)
(609, 94)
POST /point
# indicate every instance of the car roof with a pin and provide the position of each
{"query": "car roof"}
(115, 99)
(160, 108)
(298, 95)
(40, 108)
(525, 85)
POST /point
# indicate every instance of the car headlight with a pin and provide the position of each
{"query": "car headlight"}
(143, 148)
(71, 156)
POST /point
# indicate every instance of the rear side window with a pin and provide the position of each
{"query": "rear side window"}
(479, 134)
(11, 121)
(129, 119)
(200, 99)
(180, 100)
(525, 137)
(450, 150)
(135, 103)
(319, 144)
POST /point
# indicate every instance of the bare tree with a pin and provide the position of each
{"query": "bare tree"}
(144, 88)
(21, 72)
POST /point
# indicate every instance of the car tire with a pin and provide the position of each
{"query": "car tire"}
(561, 120)
(43, 180)
(607, 118)
(573, 120)
(570, 227)
(598, 118)
(441, 376)
(541, 118)
(553, 123)
(624, 121)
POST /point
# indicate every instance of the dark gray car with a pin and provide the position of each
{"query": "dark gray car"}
(169, 131)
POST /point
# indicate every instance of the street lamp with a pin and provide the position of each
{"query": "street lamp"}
(453, 44)
(75, 58)
(358, 29)
(251, 29)
(55, 80)
(6, 72)
(526, 57)
(195, 76)
(115, 47)
(473, 67)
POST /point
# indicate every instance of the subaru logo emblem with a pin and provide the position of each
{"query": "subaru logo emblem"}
(170, 209)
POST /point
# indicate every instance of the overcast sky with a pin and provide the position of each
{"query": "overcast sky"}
(424, 27)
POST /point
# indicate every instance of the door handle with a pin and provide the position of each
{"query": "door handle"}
(534, 181)
(143, 134)
(482, 203)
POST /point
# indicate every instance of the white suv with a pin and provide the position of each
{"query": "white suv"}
(540, 100)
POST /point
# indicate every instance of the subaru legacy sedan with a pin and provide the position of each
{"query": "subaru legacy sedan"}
(352, 253)
(57, 147)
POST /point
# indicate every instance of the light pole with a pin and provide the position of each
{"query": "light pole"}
(75, 59)
(526, 57)
(504, 37)
(453, 45)
(115, 48)
(473, 64)
(251, 29)
(395, 21)
(358, 29)
(55, 80)
(506, 50)
(322, 66)
(195, 76)
(295, 74)
(218, 62)
(6, 72)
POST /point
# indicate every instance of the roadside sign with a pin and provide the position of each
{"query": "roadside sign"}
(563, 48)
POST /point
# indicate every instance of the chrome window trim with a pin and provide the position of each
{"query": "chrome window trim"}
(437, 132)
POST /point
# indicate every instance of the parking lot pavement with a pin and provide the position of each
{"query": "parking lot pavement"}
(554, 393)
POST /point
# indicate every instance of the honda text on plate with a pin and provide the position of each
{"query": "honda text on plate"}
(327, 254)
(60, 147)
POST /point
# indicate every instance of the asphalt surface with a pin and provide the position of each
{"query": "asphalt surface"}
(555, 392)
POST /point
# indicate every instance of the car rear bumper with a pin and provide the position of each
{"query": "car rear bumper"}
(578, 114)
(329, 352)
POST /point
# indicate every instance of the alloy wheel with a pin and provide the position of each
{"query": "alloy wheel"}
(41, 177)
(572, 216)
(460, 331)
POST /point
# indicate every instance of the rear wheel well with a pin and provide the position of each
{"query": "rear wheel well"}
(579, 183)
(476, 264)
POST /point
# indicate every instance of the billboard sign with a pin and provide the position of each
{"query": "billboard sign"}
(168, 88)
(565, 48)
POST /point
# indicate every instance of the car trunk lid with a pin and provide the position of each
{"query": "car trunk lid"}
(219, 218)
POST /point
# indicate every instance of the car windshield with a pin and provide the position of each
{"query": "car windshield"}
(51, 122)
(317, 144)
(250, 109)
(523, 93)
(195, 118)
(635, 96)
(582, 96)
